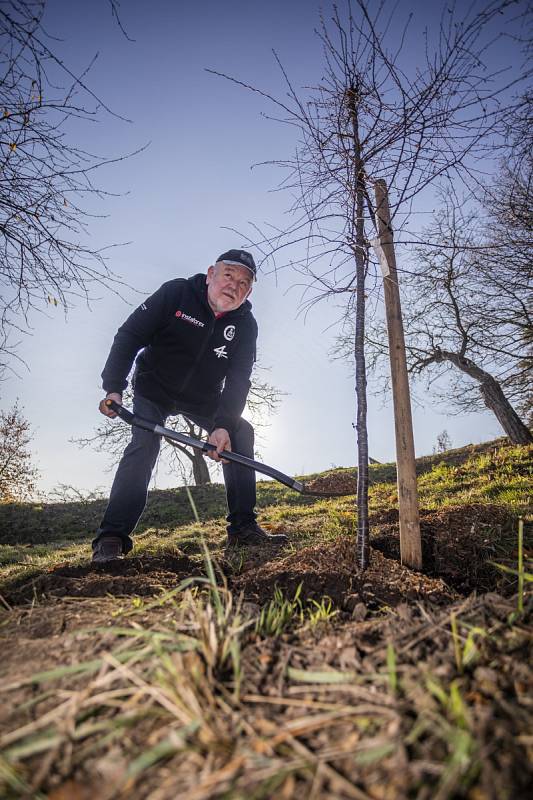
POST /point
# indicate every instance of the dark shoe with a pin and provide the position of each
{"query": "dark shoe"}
(252, 534)
(108, 548)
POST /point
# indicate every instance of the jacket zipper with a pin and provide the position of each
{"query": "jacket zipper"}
(198, 358)
(201, 352)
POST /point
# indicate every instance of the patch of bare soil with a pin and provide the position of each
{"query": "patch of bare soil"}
(322, 712)
(409, 692)
(327, 569)
(135, 575)
(457, 543)
(35, 637)
(338, 483)
(330, 569)
(445, 719)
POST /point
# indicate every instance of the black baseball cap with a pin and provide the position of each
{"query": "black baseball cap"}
(241, 259)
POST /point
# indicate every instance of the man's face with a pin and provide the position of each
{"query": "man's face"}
(228, 286)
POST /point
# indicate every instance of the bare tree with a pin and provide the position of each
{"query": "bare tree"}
(467, 311)
(46, 180)
(525, 403)
(66, 493)
(17, 473)
(182, 454)
(508, 203)
(444, 443)
(370, 118)
(111, 436)
(469, 293)
(467, 315)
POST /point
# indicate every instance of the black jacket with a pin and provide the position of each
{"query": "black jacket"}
(191, 361)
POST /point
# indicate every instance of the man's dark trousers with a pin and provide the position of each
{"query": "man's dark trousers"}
(130, 486)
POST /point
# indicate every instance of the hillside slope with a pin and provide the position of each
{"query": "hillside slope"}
(470, 500)
(189, 671)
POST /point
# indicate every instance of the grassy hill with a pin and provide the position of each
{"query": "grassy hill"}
(189, 671)
(482, 488)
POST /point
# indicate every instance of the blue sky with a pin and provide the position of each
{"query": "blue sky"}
(174, 203)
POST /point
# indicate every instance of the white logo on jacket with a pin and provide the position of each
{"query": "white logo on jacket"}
(220, 351)
(229, 332)
(187, 318)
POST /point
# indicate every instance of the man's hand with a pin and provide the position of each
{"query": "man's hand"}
(103, 409)
(220, 438)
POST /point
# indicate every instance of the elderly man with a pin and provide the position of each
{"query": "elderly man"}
(197, 339)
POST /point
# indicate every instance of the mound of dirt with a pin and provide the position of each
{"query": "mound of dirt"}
(324, 570)
(457, 543)
(142, 576)
(331, 570)
(336, 483)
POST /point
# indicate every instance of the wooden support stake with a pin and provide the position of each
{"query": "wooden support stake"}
(410, 540)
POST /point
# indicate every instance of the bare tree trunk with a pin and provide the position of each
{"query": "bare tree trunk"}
(495, 399)
(200, 470)
(493, 396)
(363, 532)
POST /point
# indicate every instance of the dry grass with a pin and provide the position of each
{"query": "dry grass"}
(188, 699)
(193, 691)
